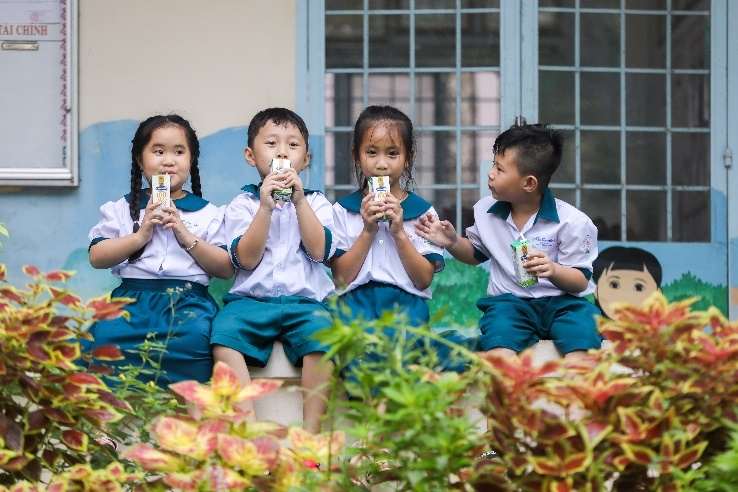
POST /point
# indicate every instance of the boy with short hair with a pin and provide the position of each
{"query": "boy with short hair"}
(277, 243)
(563, 245)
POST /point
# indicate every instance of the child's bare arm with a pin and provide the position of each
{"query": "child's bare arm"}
(312, 232)
(251, 246)
(568, 279)
(346, 267)
(114, 251)
(214, 260)
(418, 268)
(442, 233)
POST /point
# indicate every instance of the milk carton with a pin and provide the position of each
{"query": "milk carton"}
(160, 190)
(520, 251)
(379, 185)
(278, 166)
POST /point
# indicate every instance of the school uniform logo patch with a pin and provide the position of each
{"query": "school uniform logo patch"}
(587, 244)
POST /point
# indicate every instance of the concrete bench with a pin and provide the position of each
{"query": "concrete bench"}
(285, 405)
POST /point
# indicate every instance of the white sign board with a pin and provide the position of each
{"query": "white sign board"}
(38, 130)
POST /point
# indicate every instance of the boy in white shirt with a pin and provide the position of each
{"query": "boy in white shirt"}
(277, 247)
(563, 247)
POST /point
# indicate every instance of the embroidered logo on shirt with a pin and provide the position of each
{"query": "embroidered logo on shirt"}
(543, 243)
(587, 244)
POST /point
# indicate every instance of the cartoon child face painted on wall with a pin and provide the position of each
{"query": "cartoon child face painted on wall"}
(625, 275)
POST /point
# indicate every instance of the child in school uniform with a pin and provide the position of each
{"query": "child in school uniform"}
(563, 245)
(380, 263)
(165, 256)
(278, 246)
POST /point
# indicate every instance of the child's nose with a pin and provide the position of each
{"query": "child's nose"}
(282, 152)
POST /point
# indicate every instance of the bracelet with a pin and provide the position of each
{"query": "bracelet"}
(197, 240)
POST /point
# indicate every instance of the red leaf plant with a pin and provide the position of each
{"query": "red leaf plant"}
(226, 451)
(633, 416)
(49, 406)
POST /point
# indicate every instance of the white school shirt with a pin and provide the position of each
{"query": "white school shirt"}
(286, 269)
(163, 257)
(383, 263)
(561, 231)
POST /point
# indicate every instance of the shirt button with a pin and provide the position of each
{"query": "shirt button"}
(381, 241)
(284, 216)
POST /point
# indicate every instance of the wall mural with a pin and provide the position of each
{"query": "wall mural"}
(623, 272)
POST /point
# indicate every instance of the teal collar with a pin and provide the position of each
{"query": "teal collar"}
(254, 189)
(547, 210)
(189, 202)
(412, 207)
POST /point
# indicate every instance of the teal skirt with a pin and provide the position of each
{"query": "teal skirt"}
(175, 313)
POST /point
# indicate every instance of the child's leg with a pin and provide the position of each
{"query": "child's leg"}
(501, 351)
(235, 361)
(315, 376)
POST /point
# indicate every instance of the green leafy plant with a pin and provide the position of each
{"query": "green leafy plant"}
(407, 419)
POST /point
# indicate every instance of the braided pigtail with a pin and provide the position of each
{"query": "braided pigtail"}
(134, 200)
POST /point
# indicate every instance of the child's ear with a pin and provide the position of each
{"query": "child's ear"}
(248, 154)
(530, 183)
(307, 161)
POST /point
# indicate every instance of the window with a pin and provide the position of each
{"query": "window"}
(628, 81)
(439, 62)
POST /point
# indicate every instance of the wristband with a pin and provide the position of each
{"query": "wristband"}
(197, 239)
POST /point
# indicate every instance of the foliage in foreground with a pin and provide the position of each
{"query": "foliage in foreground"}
(49, 408)
(639, 416)
(653, 412)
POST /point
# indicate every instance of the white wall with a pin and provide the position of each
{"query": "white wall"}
(215, 62)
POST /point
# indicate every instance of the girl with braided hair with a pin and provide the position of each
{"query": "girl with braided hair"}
(164, 256)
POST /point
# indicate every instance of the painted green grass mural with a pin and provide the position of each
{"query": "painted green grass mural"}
(456, 290)
(458, 287)
(689, 286)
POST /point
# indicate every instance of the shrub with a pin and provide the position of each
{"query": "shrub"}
(656, 404)
(49, 408)
(655, 411)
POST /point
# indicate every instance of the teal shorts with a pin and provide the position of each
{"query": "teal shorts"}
(251, 326)
(373, 299)
(514, 323)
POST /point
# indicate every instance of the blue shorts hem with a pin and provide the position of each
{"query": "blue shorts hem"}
(566, 346)
(254, 357)
(487, 344)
